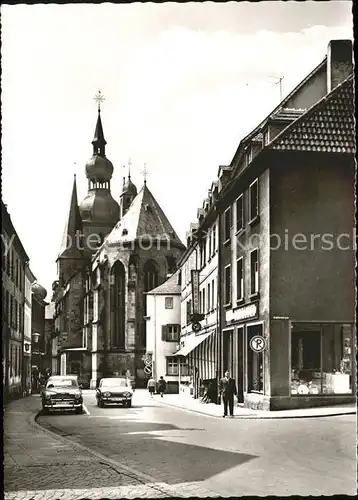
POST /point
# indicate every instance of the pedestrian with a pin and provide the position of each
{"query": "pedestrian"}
(162, 385)
(227, 392)
(151, 386)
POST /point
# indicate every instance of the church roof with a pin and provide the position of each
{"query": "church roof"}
(144, 220)
(73, 228)
(169, 287)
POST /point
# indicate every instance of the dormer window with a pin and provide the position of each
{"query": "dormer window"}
(124, 232)
(147, 208)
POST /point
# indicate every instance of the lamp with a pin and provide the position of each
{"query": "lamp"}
(35, 337)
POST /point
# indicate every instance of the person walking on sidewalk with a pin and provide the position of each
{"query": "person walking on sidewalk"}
(227, 392)
(162, 385)
(151, 386)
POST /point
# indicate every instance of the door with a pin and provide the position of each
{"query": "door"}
(240, 364)
(255, 361)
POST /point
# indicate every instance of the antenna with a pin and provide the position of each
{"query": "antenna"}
(278, 82)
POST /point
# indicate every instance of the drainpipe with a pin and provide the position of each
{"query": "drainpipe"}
(219, 311)
(154, 360)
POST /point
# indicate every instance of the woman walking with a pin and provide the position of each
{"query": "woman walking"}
(151, 386)
(161, 386)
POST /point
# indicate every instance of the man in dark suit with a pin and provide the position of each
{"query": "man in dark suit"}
(228, 391)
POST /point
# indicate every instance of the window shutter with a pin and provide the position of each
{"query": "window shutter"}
(164, 332)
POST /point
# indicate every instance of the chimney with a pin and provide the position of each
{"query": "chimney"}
(339, 62)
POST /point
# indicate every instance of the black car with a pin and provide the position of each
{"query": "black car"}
(114, 391)
(62, 393)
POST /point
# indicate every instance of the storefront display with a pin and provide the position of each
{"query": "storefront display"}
(321, 359)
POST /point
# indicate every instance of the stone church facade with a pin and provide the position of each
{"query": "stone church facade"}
(111, 255)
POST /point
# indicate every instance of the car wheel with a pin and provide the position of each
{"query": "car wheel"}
(79, 410)
(101, 404)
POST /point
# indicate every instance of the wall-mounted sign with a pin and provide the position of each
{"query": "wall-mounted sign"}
(244, 313)
(195, 291)
(257, 343)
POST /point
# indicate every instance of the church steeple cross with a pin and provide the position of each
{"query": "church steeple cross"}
(129, 168)
(145, 173)
(99, 98)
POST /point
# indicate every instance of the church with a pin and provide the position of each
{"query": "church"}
(111, 255)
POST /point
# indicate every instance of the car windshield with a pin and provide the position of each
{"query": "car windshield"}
(62, 383)
(115, 382)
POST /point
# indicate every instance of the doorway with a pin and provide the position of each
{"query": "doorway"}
(255, 361)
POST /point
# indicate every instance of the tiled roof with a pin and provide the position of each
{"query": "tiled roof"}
(328, 126)
(169, 287)
(144, 218)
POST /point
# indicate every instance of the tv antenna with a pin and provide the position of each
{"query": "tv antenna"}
(278, 82)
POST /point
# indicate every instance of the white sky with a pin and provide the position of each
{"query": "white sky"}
(184, 83)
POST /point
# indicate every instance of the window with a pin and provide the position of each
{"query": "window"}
(203, 253)
(240, 213)
(214, 239)
(11, 316)
(213, 295)
(150, 275)
(210, 243)
(254, 200)
(254, 266)
(188, 311)
(168, 302)
(171, 333)
(227, 224)
(255, 361)
(209, 298)
(203, 310)
(239, 279)
(173, 366)
(227, 277)
(118, 303)
(16, 319)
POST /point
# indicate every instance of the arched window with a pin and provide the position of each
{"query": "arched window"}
(117, 302)
(150, 275)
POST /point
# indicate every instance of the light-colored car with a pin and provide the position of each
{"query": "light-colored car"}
(114, 391)
(62, 392)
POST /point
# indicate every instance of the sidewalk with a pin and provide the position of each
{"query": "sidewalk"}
(40, 465)
(185, 402)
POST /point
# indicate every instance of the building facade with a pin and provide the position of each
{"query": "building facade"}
(39, 359)
(14, 262)
(30, 279)
(163, 335)
(286, 335)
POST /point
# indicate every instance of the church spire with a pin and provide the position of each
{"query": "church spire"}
(99, 142)
(73, 230)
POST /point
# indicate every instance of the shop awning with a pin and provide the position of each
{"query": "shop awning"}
(193, 343)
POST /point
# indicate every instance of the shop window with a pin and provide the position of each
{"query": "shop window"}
(227, 225)
(254, 271)
(240, 213)
(254, 200)
(168, 302)
(255, 361)
(227, 283)
(321, 359)
(239, 279)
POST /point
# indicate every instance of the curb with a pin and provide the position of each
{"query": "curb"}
(258, 416)
(121, 468)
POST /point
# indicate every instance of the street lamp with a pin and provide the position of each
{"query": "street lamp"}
(35, 337)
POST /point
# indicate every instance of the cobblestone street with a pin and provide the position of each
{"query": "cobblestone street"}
(156, 451)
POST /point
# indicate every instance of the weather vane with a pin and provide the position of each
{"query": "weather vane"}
(99, 98)
(145, 173)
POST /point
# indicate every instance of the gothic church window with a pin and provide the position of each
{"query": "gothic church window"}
(117, 300)
(150, 276)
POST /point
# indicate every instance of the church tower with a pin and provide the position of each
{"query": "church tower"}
(129, 192)
(99, 211)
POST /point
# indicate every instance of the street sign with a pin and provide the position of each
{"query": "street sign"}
(258, 343)
(196, 327)
(148, 370)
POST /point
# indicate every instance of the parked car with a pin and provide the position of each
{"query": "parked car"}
(62, 392)
(114, 391)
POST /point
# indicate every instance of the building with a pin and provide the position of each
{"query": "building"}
(286, 205)
(163, 334)
(38, 347)
(111, 254)
(49, 335)
(30, 279)
(14, 262)
(199, 283)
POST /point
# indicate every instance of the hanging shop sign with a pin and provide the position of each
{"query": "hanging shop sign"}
(257, 343)
(195, 291)
(244, 313)
(196, 327)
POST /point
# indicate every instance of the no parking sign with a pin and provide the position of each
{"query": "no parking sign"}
(258, 343)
